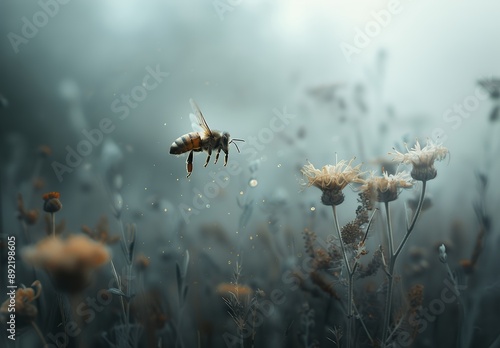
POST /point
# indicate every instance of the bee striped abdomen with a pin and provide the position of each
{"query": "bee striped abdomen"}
(187, 142)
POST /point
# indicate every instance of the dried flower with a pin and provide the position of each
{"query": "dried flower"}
(422, 159)
(332, 179)
(52, 203)
(386, 188)
(373, 266)
(25, 311)
(30, 217)
(351, 232)
(240, 291)
(70, 262)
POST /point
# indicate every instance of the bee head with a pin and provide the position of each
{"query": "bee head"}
(225, 141)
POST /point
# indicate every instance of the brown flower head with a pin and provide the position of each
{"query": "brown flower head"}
(52, 203)
(332, 179)
(24, 309)
(422, 159)
(386, 188)
(70, 262)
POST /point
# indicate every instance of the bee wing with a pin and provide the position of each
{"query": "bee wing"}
(198, 121)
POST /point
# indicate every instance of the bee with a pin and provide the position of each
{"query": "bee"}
(202, 139)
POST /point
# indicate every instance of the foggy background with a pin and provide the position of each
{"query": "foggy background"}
(239, 65)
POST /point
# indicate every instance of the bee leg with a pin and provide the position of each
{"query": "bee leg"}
(217, 156)
(208, 158)
(225, 159)
(189, 164)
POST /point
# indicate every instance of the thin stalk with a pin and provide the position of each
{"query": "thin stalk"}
(53, 219)
(394, 255)
(349, 285)
(388, 299)
(414, 220)
(119, 285)
(363, 324)
(39, 333)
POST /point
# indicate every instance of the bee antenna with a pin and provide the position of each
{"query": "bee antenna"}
(233, 141)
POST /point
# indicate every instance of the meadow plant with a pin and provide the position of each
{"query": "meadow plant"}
(332, 179)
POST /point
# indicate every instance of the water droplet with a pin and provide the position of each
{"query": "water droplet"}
(251, 237)
(165, 210)
(241, 192)
(229, 262)
(207, 206)
(279, 165)
(253, 183)
(313, 208)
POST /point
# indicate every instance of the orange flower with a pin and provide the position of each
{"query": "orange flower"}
(70, 262)
(25, 311)
(51, 195)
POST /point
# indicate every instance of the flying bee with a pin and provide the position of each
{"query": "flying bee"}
(202, 139)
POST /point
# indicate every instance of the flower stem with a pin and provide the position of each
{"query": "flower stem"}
(350, 317)
(393, 257)
(53, 218)
(388, 299)
(414, 220)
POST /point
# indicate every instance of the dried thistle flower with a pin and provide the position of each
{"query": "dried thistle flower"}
(24, 310)
(422, 159)
(70, 262)
(332, 179)
(386, 188)
(52, 204)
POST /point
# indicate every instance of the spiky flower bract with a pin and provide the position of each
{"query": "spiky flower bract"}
(332, 179)
(422, 159)
(387, 187)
